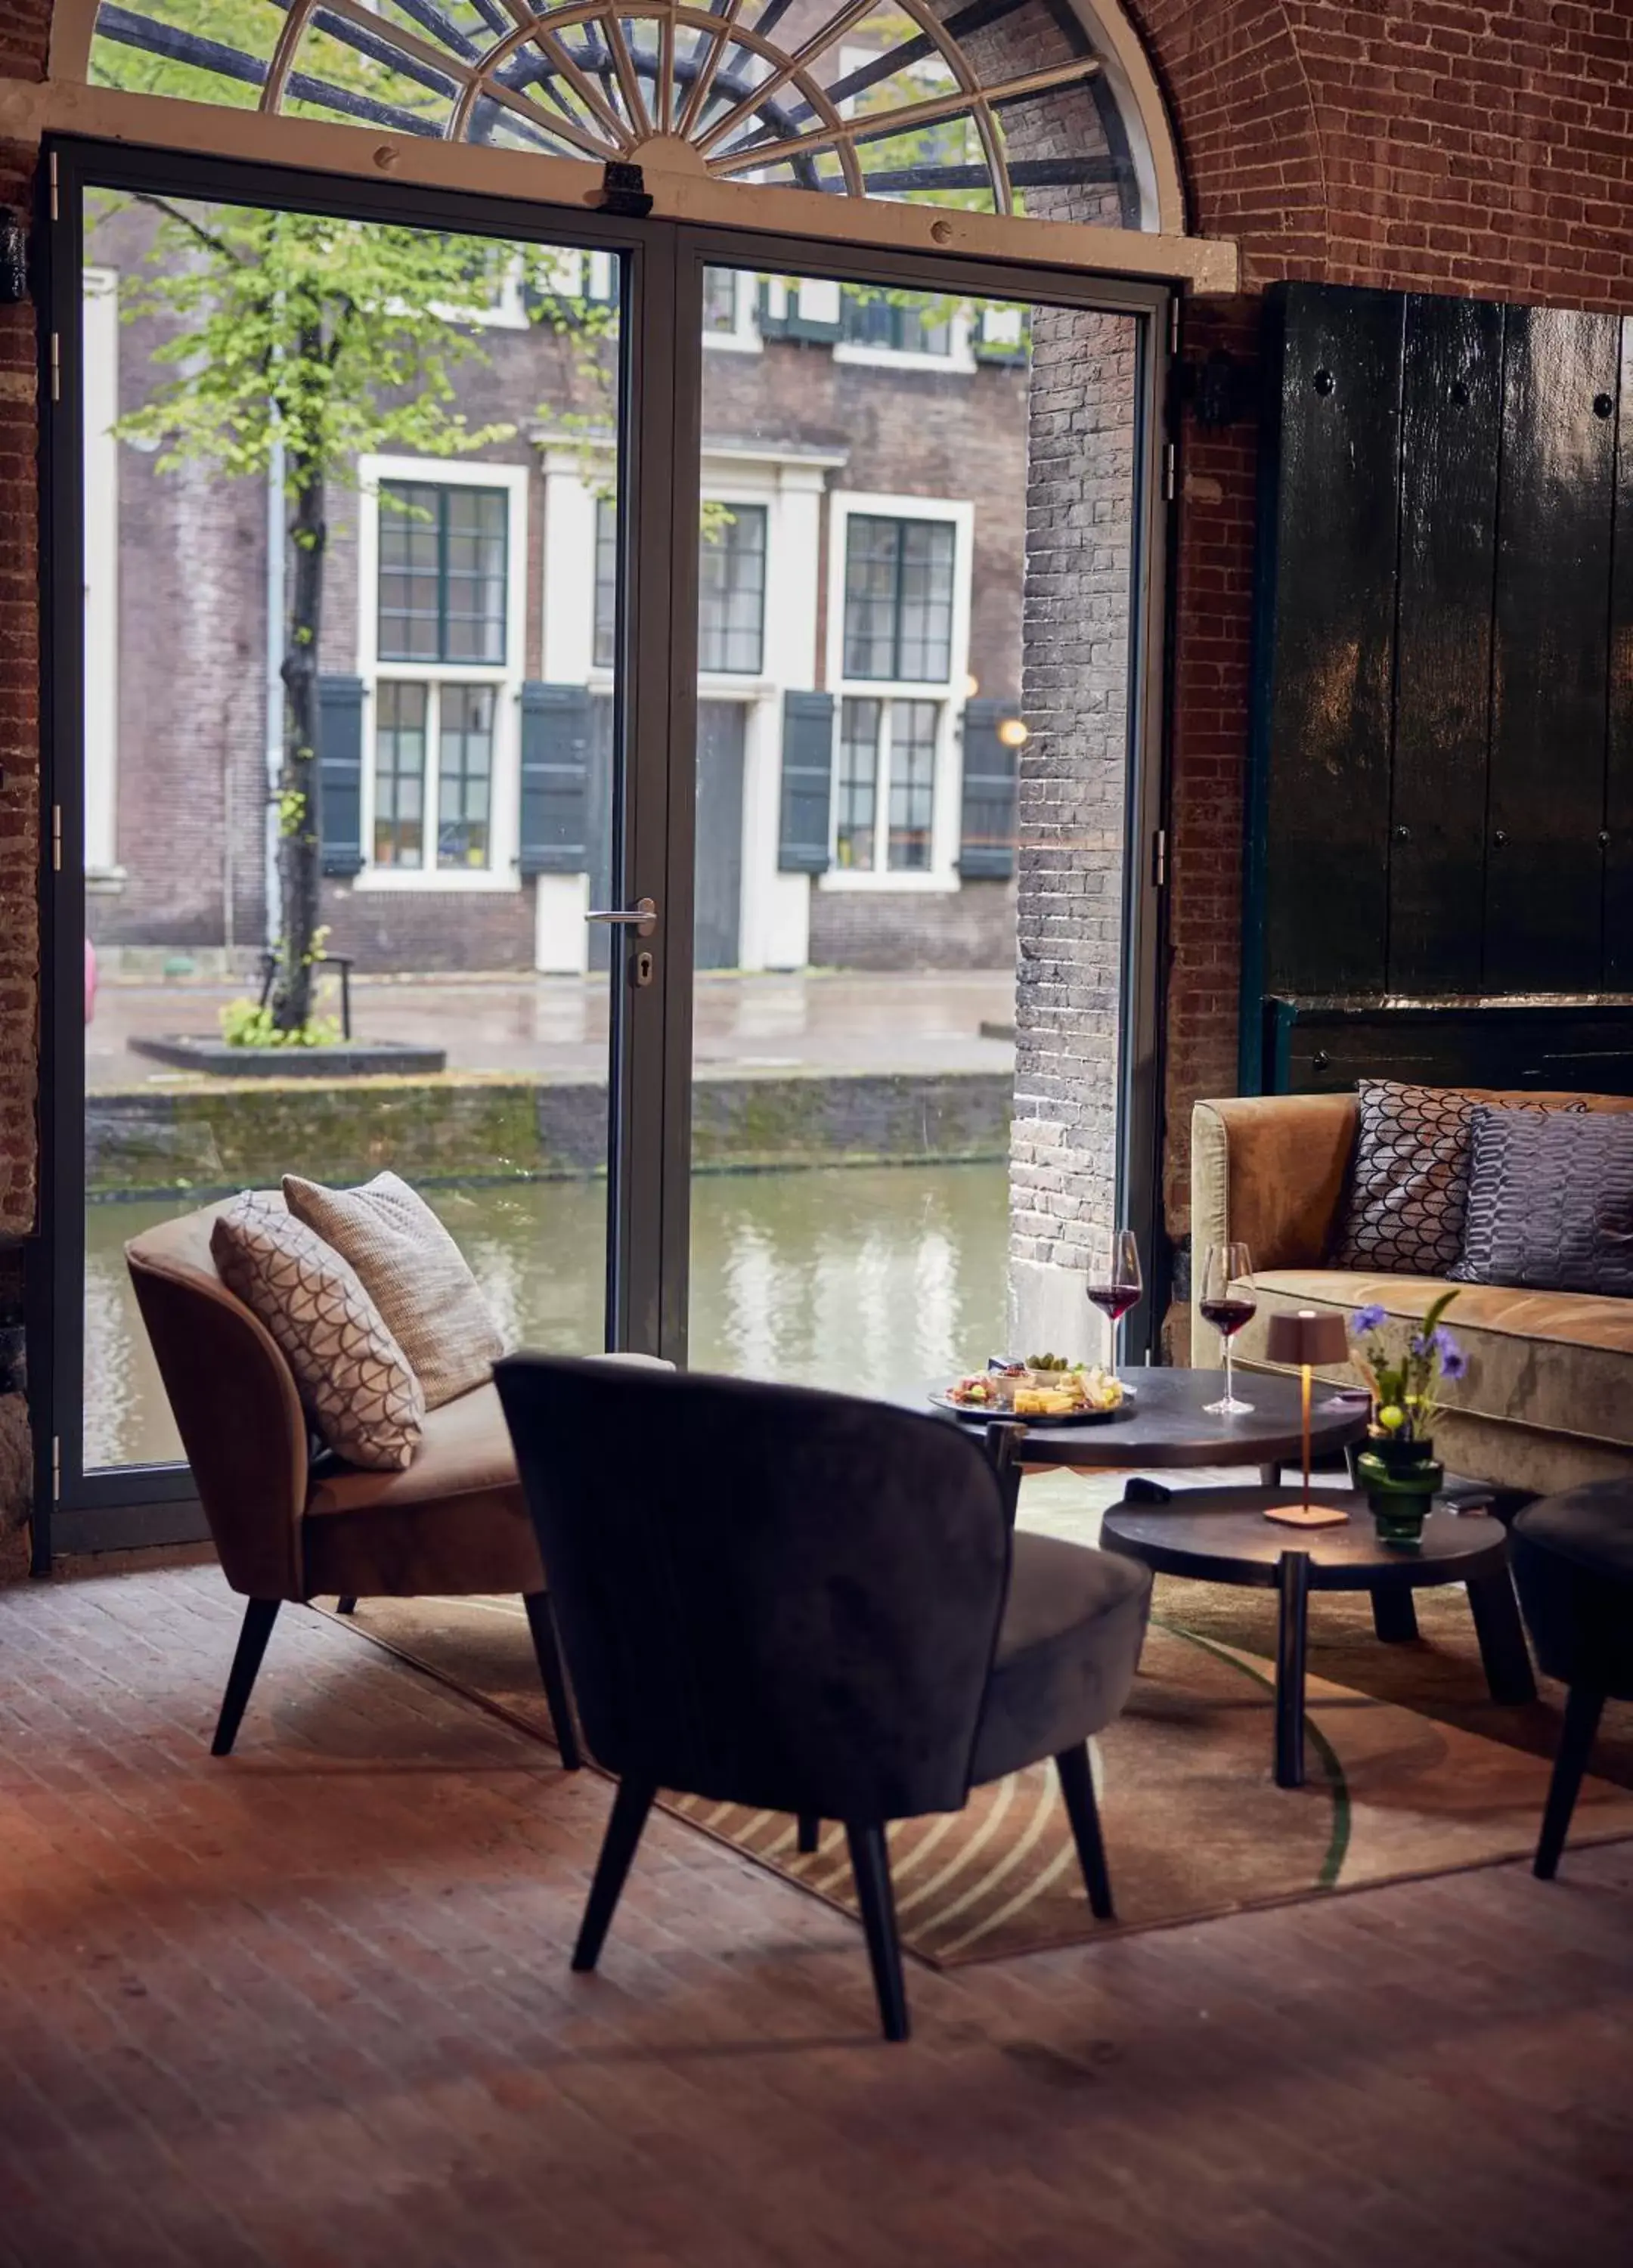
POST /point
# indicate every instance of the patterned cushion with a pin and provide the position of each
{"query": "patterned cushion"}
(415, 1274)
(1409, 1185)
(1550, 1203)
(352, 1376)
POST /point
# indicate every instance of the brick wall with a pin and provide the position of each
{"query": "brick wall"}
(971, 927)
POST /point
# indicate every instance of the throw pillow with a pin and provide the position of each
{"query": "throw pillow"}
(352, 1376)
(1408, 1189)
(1550, 1202)
(415, 1274)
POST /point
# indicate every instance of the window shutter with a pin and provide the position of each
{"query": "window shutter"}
(987, 837)
(340, 773)
(807, 782)
(556, 779)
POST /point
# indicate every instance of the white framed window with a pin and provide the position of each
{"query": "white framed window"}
(732, 570)
(918, 330)
(441, 590)
(730, 319)
(898, 655)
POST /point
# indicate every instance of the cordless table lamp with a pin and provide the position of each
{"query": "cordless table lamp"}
(1305, 1339)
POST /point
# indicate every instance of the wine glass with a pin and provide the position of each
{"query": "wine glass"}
(1114, 1281)
(1228, 1302)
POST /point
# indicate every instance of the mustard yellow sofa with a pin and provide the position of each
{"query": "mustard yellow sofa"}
(1548, 1402)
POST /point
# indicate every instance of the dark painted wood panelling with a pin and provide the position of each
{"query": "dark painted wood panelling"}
(1544, 867)
(1619, 762)
(1322, 1047)
(1451, 415)
(1324, 799)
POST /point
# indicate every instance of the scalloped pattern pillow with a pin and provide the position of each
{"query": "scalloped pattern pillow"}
(414, 1273)
(1409, 1190)
(355, 1382)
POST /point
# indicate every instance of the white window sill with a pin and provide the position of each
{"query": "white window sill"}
(949, 365)
(734, 341)
(911, 884)
(396, 881)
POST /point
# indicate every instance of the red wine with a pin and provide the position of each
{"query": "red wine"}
(1116, 1299)
(1229, 1316)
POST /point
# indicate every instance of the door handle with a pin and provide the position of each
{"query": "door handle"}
(642, 917)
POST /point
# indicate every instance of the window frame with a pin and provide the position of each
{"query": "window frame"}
(941, 875)
(501, 873)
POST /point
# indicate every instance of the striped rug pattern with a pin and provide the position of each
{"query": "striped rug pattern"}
(1194, 1823)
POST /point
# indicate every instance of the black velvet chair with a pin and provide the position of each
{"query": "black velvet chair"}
(1573, 1568)
(813, 1604)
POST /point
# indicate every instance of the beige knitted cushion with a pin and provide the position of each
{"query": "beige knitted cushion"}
(355, 1381)
(415, 1274)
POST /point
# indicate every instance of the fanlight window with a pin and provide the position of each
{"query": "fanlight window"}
(990, 105)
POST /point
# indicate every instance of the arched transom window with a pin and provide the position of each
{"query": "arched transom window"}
(992, 106)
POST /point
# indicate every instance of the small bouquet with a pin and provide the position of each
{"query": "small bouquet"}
(1403, 1371)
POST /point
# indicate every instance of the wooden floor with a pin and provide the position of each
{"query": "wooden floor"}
(312, 2006)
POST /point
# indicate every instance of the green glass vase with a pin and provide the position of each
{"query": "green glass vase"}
(1401, 1480)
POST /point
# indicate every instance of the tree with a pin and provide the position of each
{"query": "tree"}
(306, 341)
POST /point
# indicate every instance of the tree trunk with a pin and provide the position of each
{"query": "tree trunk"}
(298, 818)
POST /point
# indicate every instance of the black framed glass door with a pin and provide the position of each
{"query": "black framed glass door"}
(514, 737)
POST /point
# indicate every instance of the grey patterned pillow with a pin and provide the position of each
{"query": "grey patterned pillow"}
(1408, 1189)
(1550, 1202)
(354, 1379)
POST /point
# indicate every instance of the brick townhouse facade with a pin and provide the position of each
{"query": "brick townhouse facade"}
(832, 424)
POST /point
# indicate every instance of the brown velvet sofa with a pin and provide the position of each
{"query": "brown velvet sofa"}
(1548, 1402)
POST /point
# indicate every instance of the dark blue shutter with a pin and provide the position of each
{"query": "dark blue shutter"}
(807, 782)
(556, 779)
(987, 837)
(340, 773)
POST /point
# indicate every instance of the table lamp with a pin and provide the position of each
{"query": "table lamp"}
(1303, 1340)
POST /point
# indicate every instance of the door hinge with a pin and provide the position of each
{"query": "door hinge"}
(1170, 471)
(56, 366)
(56, 838)
(1160, 858)
(57, 1467)
(54, 213)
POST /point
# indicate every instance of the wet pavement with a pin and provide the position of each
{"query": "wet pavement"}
(557, 1026)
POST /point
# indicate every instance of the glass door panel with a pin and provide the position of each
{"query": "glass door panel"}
(376, 958)
(917, 608)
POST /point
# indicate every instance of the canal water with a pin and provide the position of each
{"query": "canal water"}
(871, 1280)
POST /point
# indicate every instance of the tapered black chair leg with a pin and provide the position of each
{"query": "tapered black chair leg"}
(869, 1864)
(809, 1834)
(1076, 1785)
(541, 1622)
(630, 1807)
(259, 1616)
(348, 1606)
(1583, 1709)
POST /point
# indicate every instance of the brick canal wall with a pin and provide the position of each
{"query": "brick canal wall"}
(225, 1135)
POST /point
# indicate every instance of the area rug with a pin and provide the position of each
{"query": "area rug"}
(1195, 1826)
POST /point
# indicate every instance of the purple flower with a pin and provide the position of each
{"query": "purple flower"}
(1453, 1361)
(1367, 1319)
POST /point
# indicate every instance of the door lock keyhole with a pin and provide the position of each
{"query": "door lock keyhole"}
(641, 968)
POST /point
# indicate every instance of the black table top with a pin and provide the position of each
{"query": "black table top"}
(1221, 1536)
(1168, 1425)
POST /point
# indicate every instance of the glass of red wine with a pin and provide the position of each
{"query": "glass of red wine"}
(1114, 1280)
(1228, 1301)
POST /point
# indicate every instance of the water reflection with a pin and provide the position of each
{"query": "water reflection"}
(870, 1279)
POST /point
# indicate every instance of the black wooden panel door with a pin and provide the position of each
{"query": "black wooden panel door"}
(1324, 780)
(1545, 862)
(1451, 418)
(1619, 755)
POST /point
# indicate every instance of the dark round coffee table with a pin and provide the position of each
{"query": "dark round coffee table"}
(1221, 1536)
(1169, 1426)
